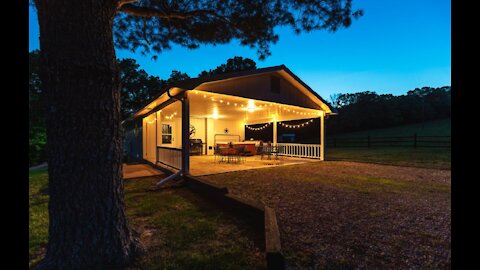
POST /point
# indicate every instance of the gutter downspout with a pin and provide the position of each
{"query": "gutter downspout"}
(170, 177)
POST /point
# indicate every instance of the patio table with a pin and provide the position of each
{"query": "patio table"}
(230, 153)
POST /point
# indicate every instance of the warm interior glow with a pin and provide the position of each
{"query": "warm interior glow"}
(251, 106)
(220, 106)
(215, 113)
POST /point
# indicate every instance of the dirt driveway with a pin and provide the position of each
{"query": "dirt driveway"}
(349, 215)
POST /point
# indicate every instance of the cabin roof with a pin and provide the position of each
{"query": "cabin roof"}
(195, 82)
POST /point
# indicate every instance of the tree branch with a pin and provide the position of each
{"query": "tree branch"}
(120, 3)
(152, 12)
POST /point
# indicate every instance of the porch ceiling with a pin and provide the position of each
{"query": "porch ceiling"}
(219, 106)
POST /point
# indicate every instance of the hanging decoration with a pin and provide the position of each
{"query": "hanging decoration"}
(296, 126)
(259, 128)
(254, 105)
(170, 116)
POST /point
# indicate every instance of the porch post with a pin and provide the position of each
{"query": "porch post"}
(274, 132)
(185, 134)
(322, 135)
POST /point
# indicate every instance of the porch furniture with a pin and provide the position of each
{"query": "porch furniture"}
(223, 152)
(270, 151)
(196, 147)
(229, 154)
(249, 147)
(259, 147)
(241, 153)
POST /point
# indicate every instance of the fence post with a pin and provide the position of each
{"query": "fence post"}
(414, 140)
(368, 141)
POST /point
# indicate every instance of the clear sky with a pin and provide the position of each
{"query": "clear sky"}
(395, 47)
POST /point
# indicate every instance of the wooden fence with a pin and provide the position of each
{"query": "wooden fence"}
(398, 141)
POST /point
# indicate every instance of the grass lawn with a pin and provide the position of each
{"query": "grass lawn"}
(436, 158)
(440, 127)
(424, 157)
(348, 215)
(179, 229)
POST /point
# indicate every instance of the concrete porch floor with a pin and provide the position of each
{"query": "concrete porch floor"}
(206, 165)
(139, 170)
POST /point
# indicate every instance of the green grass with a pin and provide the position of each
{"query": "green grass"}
(433, 128)
(38, 213)
(179, 229)
(435, 158)
(425, 157)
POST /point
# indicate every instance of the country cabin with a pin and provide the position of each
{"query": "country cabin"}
(210, 125)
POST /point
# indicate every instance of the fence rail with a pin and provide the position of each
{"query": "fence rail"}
(299, 150)
(394, 141)
(170, 156)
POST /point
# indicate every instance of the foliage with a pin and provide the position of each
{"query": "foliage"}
(177, 76)
(136, 86)
(36, 112)
(369, 110)
(154, 25)
(234, 64)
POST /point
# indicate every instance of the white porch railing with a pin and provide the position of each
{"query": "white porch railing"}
(299, 150)
(170, 156)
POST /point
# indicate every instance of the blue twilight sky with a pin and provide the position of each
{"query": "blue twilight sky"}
(395, 47)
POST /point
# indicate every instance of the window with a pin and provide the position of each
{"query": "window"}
(167, 134)
(274, 84)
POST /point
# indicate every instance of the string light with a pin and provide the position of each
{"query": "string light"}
(259, 128)
(296, 126)
(251, 109)
(171, 115)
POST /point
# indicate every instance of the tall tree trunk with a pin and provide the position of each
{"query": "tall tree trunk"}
(88, 227)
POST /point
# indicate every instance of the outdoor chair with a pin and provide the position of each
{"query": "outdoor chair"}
(270, 150)
(216, 152)
(241, 153)
(224, 152)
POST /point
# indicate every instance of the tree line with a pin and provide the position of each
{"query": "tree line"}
(369, 110)
(136, 89)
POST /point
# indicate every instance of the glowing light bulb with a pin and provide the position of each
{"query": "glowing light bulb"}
(251, 106)
(215, 113)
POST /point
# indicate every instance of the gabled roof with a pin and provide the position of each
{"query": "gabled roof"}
(195, 82)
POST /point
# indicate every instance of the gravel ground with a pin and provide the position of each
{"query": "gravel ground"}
(347, 215)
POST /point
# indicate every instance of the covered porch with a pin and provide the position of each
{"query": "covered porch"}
(252, 119)
(223, 133)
